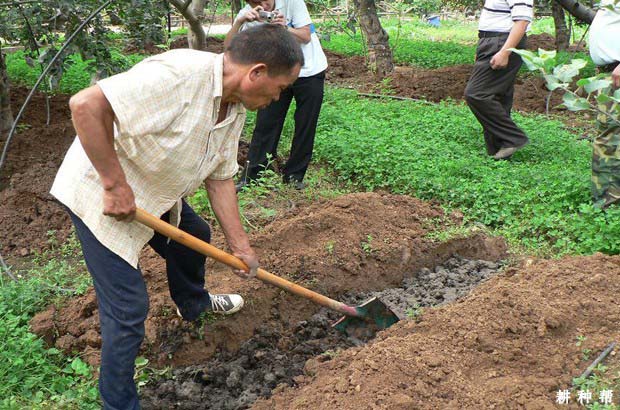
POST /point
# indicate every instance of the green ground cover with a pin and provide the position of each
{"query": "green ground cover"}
(33, 376)
(539, 200)
(77, 73)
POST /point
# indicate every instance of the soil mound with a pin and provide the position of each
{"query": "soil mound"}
(543, 40)
(510, 344)
(356, 243)
(28, 211)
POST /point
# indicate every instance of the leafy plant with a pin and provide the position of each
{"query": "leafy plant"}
(145, 374)
(367, 245)
(594, 94)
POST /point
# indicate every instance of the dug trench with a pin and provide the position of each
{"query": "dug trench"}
(354, 244)
(273, 358)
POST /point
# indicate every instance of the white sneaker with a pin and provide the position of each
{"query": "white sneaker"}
(225, 304)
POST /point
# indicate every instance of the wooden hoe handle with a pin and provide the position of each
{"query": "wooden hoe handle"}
(211, 251)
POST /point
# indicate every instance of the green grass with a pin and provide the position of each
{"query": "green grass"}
(32, 375)
(416, 52)
(419, 44)
(76, 77)
(539, 200)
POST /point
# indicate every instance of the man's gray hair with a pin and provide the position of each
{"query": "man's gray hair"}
(269, 44)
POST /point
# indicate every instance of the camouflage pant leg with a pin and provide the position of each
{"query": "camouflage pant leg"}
(606, 166)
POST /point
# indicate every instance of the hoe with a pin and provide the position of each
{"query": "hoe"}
(362, 320)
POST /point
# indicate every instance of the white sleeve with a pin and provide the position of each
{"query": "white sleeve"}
(299, 14)
(243, 11)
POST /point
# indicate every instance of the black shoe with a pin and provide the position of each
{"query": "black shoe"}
(298, 185)
(293, 181)
(240, 185)
(506, 152)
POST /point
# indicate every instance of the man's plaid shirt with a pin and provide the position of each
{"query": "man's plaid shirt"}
(167, 141)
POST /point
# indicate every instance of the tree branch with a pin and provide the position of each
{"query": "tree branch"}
(195, 24)
(578, 10)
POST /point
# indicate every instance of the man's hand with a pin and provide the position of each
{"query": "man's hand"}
(615, 76)
(224, 204)
(249, 257)
(119, 202)
(500, 60)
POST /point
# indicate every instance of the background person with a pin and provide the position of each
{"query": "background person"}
(490, 89)
(149, 137)
(605, 52)
(307, 91)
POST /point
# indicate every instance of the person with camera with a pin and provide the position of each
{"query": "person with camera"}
(605, 52)
(307, 91)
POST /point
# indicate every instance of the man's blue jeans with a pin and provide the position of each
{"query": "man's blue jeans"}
(123, 301)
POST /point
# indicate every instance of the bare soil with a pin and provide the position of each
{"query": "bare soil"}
(509, 345)
(427, 84)
(433, 84)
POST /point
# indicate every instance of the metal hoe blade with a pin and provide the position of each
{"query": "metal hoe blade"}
(370, 317)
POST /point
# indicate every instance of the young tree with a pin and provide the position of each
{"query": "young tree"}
(578, 10)
(6, 115)
(562, 34)
(194, 13)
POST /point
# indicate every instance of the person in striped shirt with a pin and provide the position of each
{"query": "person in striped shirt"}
(490, 89)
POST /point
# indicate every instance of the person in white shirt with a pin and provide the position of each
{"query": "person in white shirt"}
(149, 137)
(307, 91)
(604, 46)
(490, 89)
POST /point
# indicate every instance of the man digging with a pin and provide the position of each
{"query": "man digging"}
(149, 137)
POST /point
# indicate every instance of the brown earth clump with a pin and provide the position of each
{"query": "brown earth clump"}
(509, 345)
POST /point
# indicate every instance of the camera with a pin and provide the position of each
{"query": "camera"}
(267, 16)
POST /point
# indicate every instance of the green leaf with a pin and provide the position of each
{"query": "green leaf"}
(546, 55)
(530, 59)
(565, 72)
(603, 98)
(596, 85)
(574, 103)
(553, 82)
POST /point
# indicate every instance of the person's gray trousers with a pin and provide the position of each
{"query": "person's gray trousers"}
(489, 94)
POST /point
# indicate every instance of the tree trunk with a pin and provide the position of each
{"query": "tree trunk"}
(194, 12)
(562, 35)
(379, 52)
(580, 11)
(197, 38)
(235, 8)
(6, 115)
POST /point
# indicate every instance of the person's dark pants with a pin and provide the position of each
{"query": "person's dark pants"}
(489, 95)
(123, 301)
(308, 94)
